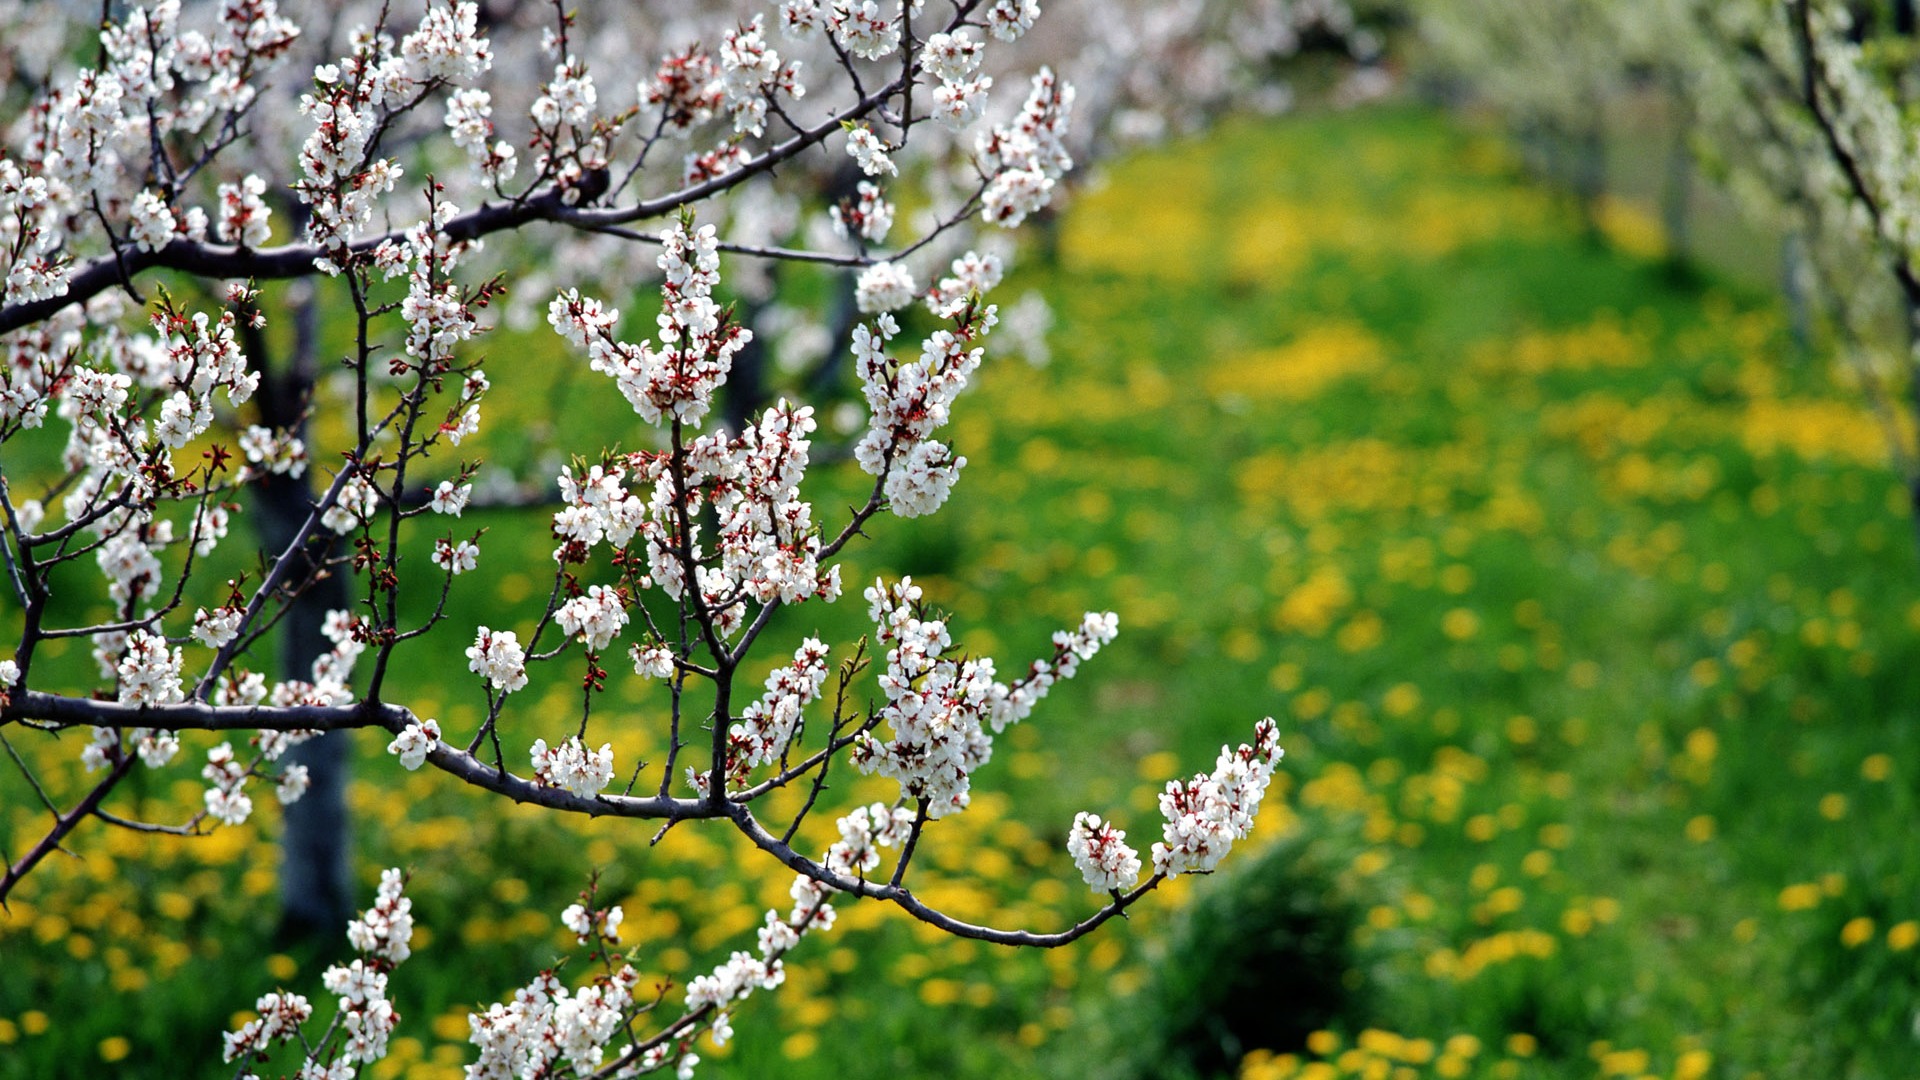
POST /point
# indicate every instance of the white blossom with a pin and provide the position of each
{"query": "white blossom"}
(450, 498)
(217, 627)
(1208, 812)
(573, 767)
(153, 222)
(414, 742)
(885, 286)
(244, 213)
(498, 657)
(594, 617)
(869, 152)
(1100, 852)
(457, 557)
(653, 662)
(150, 672)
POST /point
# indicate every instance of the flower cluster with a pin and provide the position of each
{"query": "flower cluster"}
(496, 655)
(869, 152)
(1101, 853)
(697, 340)
(768, 543)
(355, 505)
(909, 402)
(867, 215)
(226, 799)
(349, 107)
(456, 557)
(415, 742)
(384, 932)
(974, 275)
(686, 88)
(863, 832)
(1026, 157)
(1009, 19)
(938, 708)
(331, 670)
(751, 76)
(885, 286)
(470, 120)
(280, 454)
(547, 1024)
(150, 672)
(593, 924)
(244, 213)
(768, 725)
(573, 767)
(862, 28)
(278, 1019)
(361, 1031)
(217, 627)
(1207, 813)
(595, 616)
(547, 1027)
(961, 97)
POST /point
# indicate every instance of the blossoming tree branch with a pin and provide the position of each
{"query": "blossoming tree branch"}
(140, 165)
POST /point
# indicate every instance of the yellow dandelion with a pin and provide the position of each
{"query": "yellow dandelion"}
(1692, 1065)
(1857, 932)
(1800, 896)
(1460, 624)
(802, 1044)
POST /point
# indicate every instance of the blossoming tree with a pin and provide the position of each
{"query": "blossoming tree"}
(133, 425)
(1802, 110)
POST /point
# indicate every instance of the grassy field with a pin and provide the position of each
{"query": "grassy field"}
(1589, 615)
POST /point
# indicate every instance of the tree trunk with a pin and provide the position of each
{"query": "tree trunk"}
(1794, 287)
(316, 844)
(1590, 173)
(316, 866)
(745, 394)
(1677, 195)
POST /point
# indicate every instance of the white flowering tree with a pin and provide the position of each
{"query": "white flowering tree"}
(1856, 197)
(135, 421)
(1803, 112)
(1552, 68)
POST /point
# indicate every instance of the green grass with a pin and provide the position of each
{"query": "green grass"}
(1588, 618)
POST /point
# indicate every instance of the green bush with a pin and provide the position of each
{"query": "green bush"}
(1259, 960)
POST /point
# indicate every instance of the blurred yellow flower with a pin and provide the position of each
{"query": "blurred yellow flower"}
(1460, 624)
(802, 1044)
(1800, 896)
(1857, 932)
(1692, 1065)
